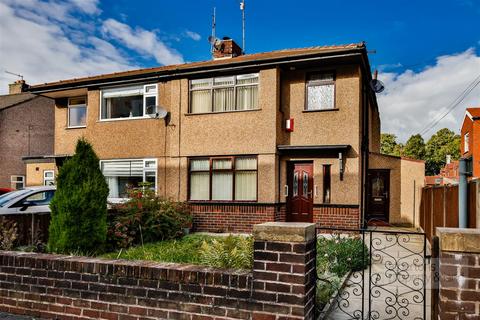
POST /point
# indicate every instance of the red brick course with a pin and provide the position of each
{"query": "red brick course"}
(242, 217)
(459, 285)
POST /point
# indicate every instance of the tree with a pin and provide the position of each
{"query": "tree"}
(389, 145)
(415, 147)
(79, 207)
(444, 142)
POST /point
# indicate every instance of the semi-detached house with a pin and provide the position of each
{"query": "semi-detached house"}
(289, 135)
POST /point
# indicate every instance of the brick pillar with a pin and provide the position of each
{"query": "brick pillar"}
(284, 268)
(459, 282)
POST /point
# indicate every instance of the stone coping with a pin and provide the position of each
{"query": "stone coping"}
(459, 239)
(284, 231)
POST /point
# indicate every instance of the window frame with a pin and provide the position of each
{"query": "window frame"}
(233, 170)
(144, 171)
(45, 178)
(466, 142)
(144, 96)
(327, 179)
(16, 181)
(70, 106)
(313, 83)
(211, 87)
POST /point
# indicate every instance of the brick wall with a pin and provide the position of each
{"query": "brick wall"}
(337, 216)
(242, 217)
(459, 266)
(231, 217)
(65, 287)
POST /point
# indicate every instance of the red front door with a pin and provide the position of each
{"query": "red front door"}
(300, 192)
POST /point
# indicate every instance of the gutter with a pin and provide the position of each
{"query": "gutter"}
(246, 65)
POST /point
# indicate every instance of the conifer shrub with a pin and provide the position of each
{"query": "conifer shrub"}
(79, 207)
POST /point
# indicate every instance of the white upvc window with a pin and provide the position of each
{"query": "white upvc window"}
(466, 142)
(77, 112)
(48, 177)
(124, 174)
(224, 94)
(17, 182)
(131, 102)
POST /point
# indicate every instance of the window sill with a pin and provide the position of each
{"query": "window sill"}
(220, 112)
(320, 110)
(126, 119)
(76, 127)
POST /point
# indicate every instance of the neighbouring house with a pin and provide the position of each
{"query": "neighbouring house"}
(26, 130)
(449, 174)
(288, 135)
(470, 134)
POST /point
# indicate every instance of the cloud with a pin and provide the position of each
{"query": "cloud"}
(193, 35)
(412, 100)
(142, 41)
(50, 40)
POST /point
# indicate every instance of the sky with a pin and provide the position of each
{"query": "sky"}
(427, 52)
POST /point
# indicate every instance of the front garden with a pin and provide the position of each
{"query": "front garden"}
(147, 227)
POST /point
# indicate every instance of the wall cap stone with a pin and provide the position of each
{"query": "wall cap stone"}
(284, 231)
(459, 239)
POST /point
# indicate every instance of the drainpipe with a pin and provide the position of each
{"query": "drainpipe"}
(462, 194)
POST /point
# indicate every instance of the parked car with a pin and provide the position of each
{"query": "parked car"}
(5, 190)
(28, 200)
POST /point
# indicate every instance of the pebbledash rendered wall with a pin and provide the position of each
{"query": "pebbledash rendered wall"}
(240, 218)
(280, 286)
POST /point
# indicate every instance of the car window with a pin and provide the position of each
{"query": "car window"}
(37, 199)
(7, 197)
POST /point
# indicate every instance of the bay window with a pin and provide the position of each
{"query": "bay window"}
(122, 175)
(223, 94)
(223, 179)
(129, 102)
(320, 92)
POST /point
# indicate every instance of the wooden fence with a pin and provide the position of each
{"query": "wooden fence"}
(439, 207)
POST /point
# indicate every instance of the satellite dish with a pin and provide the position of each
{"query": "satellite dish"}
(157, 112)
(211, 39)
(215, 42)
(377, 85)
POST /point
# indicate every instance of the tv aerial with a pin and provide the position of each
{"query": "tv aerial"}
(377, 85)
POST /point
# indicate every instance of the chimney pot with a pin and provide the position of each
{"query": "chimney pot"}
(18, 86)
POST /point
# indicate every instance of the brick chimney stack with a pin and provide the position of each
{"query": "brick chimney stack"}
(226, 49)
(18, 86)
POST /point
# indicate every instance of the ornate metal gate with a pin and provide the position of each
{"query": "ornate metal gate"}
(371, 274)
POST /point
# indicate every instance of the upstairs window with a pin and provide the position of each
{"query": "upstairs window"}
(77, 112)
(129, 102)
(320, 91)
(221, 94)
(466, 143)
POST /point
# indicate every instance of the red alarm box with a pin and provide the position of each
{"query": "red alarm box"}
(289, 125)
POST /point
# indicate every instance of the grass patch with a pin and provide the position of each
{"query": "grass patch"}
(222, 252)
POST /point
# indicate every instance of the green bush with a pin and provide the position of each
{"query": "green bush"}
(229, 252)
(146, 218)
(79, 207)
(339, 255)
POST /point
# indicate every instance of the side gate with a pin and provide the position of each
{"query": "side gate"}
(384, 277)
